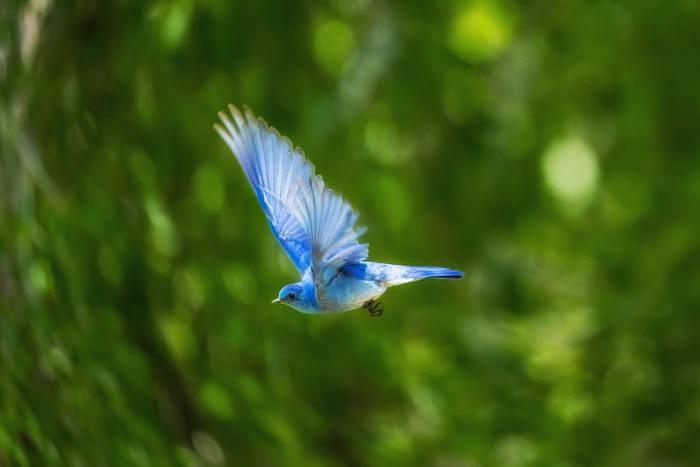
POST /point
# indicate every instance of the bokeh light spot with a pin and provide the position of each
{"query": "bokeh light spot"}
(163, 234)
(334, 43)
(207, 447)
(174, 22)
(178, 337)
(190, 289)
(480, 31)
(40, 275)
(215, 399)
(571, 172)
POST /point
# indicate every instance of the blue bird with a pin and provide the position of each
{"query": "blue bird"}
(315, 226)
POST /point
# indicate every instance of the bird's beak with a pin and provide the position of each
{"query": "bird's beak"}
(277, 300)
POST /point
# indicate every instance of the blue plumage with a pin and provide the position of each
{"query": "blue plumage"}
(315, 226)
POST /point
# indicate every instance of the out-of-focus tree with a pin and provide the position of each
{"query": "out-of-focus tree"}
(550, 149)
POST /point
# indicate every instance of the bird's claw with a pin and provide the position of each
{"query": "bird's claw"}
(374, 307)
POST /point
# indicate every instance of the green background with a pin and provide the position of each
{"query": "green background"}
(551, 149)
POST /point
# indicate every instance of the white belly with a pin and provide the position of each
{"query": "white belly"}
(346, 293)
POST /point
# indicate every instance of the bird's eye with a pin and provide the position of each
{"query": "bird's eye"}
(291, 296)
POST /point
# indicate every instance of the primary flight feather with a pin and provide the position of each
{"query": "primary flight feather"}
(315, 226)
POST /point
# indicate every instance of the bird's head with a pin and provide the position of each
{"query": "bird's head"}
(298, 296)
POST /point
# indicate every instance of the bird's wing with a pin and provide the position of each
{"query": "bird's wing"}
(314, 225)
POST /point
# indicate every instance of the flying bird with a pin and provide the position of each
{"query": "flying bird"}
(315, 226)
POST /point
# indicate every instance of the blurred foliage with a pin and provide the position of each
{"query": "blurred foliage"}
(550, 149)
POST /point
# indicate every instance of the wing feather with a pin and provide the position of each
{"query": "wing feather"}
(314, 225)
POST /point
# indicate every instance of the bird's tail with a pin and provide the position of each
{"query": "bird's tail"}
(396, 275)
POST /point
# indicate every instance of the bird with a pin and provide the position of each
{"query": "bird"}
(314, 225)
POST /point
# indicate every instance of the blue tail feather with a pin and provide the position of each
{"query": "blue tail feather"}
(393, 274)
(424, 272)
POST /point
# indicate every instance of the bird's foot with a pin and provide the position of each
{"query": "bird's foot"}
(374, 307)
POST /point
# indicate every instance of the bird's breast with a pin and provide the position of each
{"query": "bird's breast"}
(346, 293)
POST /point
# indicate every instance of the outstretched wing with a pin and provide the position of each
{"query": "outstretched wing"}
(314, 225)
